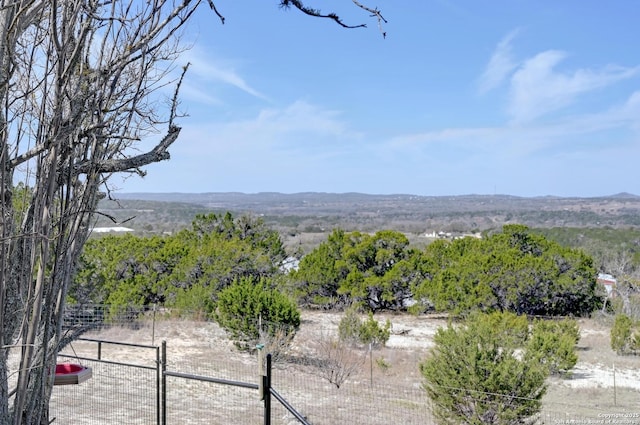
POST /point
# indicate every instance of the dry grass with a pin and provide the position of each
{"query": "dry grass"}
(385, 389)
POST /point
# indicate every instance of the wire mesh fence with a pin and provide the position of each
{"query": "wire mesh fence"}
(192, 400)
(353, 403)
(370, 394)
(124, 386)
(114, 394)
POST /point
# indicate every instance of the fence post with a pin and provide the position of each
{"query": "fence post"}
(267, 392)
(164, 383)
(158, 385)
(259, 347)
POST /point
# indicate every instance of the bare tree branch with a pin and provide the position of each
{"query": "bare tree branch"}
(317, 13)
(174, 102)
(215, 10)
(157, 154)
(376, 13)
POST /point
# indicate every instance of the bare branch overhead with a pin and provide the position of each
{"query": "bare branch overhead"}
(333, 16)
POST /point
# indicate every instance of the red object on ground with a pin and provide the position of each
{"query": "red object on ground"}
(70, 373)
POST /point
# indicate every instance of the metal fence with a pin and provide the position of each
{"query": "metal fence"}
(117, 392)
(201, 378)
(147, 392)
(193, 374)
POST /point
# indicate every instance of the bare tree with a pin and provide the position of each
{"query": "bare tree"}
(627, 273)
(81, 85)
(337, 360)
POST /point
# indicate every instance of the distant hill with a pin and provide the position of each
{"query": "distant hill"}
(625, 195)
(320, 201)
(368, 212)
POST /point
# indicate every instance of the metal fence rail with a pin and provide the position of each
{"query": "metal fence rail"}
(135, 393)
(118, 391)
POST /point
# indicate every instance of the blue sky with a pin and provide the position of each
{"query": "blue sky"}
(518, 97)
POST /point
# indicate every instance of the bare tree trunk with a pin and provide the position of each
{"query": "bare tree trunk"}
(79, 89)
(71, 116)
(627, 276)
(6, 212)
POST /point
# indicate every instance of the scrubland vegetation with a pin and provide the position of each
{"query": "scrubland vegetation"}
(510, 295)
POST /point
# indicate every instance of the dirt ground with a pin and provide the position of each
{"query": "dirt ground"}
(387, 380)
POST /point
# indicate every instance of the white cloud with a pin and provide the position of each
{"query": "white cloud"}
(626, 115)
(273, 131)
(537, 88)
(519, 140)
(299, 147)
(207, 70)
(302, 116)
(196, 94)
(500, 65)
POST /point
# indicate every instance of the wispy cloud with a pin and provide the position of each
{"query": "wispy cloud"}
(516, 141)
(196, 94)
(536, 85)
(538, 88)
(207, 70)
(301, 145)
(274, 131)
(500, 65)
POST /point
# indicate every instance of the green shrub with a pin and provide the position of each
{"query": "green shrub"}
(553, 342)
(570, 328)
(247, 308)
(195, 301)
(512, 328)
(624, 340)
(349, 326)
(371, 332)
(354, 330)
(476, 374)
(383, 364)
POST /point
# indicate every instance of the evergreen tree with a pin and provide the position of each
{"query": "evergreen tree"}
(477, 374)
(515, 270)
